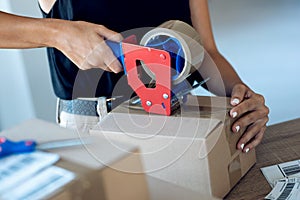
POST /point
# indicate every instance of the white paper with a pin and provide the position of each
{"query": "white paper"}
(18, 168)
(290, 180)
(285, 190)
(290, 169)
(284, 170)
(40, 185)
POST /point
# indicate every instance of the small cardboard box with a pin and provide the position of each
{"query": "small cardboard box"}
(102, 171)
(194, 148)
(162, 190)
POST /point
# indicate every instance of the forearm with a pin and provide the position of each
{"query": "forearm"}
(25, 32)
(222, 75)
(215, 65)
(80, 41)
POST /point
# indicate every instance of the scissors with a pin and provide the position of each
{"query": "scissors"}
(9, 147)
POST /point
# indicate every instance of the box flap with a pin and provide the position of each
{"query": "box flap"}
(39, 130)
(147, 126)
(98, 154)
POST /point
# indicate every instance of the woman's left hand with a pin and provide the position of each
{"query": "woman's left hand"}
(252, 116)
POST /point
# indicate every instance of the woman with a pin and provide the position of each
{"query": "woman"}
(74, 30)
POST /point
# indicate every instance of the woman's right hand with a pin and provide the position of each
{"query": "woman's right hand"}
(83, 43)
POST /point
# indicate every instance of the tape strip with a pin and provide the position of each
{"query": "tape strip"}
(188, 38)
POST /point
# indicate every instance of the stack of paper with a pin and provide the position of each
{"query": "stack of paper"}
(284, 178)
(31, 176)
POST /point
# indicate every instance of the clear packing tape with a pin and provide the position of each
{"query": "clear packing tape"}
(189, 51)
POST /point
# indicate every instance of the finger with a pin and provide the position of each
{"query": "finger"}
(109, 34)
(103, 57)
(85, 66)
(247, 120)
(257, 139)
(246, 107)
(255, 103)
(111, 61)
(106, 68)
(238, 94)
(115, 66)
(251, 132)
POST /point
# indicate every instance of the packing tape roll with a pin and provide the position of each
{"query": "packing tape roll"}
(189, 39)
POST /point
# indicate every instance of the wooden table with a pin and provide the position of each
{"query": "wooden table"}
(281, 143)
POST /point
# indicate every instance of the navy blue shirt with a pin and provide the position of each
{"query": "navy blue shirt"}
(118, 15)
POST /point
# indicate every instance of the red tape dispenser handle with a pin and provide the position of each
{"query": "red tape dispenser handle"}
(154, 100)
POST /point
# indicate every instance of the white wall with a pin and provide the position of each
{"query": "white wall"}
(25, 87)
(260, 38)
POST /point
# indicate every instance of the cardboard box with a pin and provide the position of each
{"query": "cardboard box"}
(102, 171)
(195, 148)
(162, 190)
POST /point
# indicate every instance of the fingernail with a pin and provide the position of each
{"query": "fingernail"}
(247, 150)
(237, 128)
(234, 114)
(242, 146)
(235, 101)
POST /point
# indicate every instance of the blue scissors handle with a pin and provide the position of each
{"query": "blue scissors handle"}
(8, 147)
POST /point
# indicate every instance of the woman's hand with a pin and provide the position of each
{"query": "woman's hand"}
(251, 113)
(83, 43)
